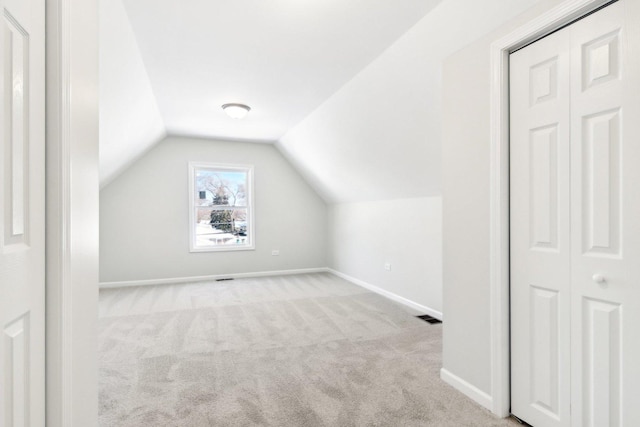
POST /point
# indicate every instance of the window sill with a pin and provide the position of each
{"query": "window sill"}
(223, 249)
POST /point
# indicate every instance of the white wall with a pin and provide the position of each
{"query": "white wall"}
(130, 122)
(465, 166)
(407, 233)
(144, 229)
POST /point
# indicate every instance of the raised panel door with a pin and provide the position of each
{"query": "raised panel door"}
(605, 202)
(22, 213)
(575, 223)
(540, 232)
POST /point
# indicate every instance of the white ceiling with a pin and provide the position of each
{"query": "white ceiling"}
(130, 122)
(379, 136)
(349, 90)
(281, 57)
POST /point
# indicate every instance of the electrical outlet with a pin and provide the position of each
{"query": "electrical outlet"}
(275, 252)
(387, 266)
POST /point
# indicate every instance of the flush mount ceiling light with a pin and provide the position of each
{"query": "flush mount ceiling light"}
(236, 111)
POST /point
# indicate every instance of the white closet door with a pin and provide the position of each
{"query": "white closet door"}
(575, 223)
(22, 213)
(540, 231)
(605, 201)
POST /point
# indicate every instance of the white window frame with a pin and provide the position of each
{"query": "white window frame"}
(248, 169)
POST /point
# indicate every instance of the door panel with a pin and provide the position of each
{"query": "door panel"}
(601, 353)
(22, 213)
(605, 193)
(543, 175)
(540, 239)
(600, 164)
(544, 347)
(16, 375)
(600, 59)
(16, 174)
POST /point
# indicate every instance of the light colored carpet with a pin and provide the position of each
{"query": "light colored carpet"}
(305, 350)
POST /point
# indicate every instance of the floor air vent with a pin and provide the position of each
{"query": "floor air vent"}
(429, 319)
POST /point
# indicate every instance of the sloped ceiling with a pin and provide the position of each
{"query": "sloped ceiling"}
(282, 57)
(130, 122)
(348, 90)
(378, 137)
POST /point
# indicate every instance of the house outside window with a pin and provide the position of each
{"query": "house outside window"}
(221, 207)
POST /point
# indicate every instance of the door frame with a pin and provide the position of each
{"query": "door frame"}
(561, 15)
(72, 194)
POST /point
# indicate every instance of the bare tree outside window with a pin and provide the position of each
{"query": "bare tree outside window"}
(221, 207)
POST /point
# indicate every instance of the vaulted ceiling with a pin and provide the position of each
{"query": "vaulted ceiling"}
(348, 90)
(281, 57)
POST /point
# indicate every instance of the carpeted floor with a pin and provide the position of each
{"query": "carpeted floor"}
(305, 350)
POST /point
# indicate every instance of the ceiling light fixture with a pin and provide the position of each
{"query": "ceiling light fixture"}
(236, 111)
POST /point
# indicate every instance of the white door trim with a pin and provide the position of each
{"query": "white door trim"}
(72, 193)
(548, 22)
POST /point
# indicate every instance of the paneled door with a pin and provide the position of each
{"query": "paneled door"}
(575, 223)
(22, 213)
(540, 231)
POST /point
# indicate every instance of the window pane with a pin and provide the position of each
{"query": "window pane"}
(220, 188)
(220, 226)
(221, 203)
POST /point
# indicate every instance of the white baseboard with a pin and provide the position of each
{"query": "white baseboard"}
(149, 282)
(469, 390)
(397, 298)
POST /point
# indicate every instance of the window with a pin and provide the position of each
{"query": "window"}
(221, 211)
